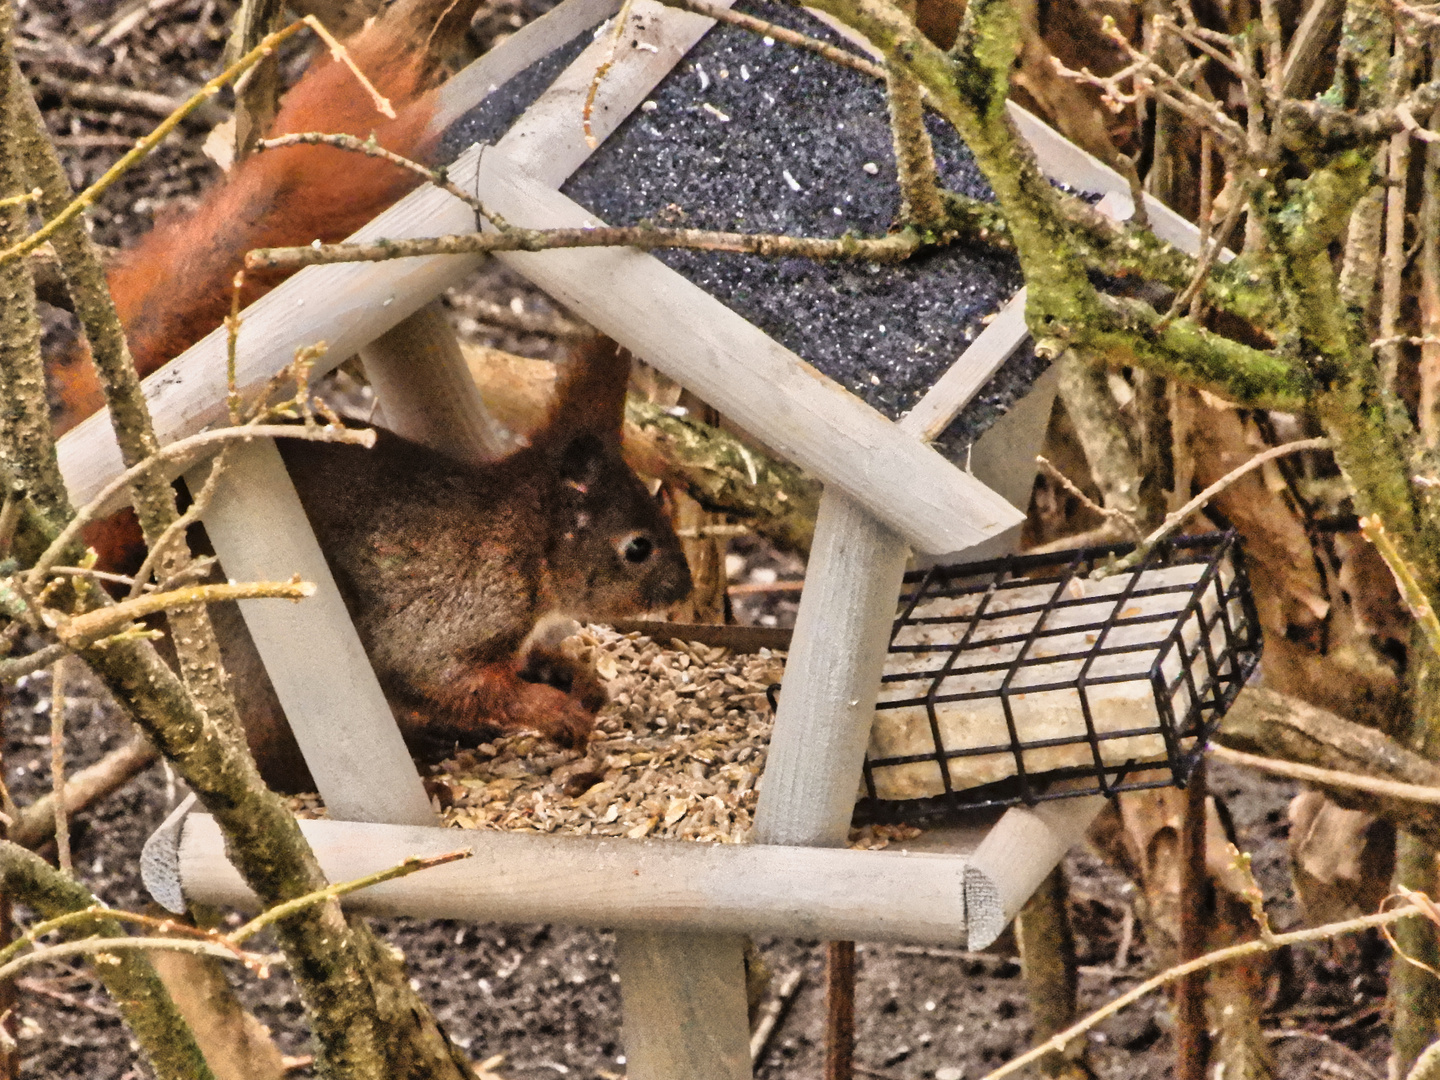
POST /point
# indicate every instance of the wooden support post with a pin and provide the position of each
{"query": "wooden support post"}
(425, 391)
(1192, 1035)
(840, 1010)
(827, 698)
(327, 688)
(827, 704)
(673, 988)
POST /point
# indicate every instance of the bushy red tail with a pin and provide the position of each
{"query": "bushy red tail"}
(174, 287)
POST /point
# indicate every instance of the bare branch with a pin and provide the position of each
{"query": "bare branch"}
(76, 632)
(1311, 774)
(1220, 956)
(894, 248)
(371, 148)
(1174, 520)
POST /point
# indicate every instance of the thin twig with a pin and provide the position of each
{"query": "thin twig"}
(57, 765)
(1220, 956)
(70, 1001)
(371, 148)
(94, 575)
(896, 247)
(839, 1010)
(20, 666)
(79, 631)
(617, 32)
(1207, 208)
(1110, 512)
(340, 55)
(527, 322)
(1312, 774)
(25, 198)
(110, 946)
(1174, 520)
(83, 789)
(204, 942)
(83, 917)
(406, 867)
(1411, 591)
(176, 529)
(770, 1016)
(1209, 253)
(143, 147)
(180, 450)
(148, 143)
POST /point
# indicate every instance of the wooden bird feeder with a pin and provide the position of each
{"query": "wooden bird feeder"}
(909, 390)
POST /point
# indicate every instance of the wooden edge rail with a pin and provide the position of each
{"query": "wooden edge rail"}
(640, 885)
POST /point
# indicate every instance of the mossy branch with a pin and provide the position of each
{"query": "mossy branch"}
(141, 997)
(723, 474)
(342, 973)
(26, 446)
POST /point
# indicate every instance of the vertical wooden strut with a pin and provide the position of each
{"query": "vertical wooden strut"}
(311, 650)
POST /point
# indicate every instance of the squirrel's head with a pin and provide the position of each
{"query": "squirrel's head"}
(614, 553)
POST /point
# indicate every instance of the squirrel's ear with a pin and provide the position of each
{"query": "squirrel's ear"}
(591, 394)
(582, 461)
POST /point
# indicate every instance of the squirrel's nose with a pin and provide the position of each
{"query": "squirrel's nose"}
(674, 586)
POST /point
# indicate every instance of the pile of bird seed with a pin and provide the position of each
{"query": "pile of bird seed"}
(676, 753)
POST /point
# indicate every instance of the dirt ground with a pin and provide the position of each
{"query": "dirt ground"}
(547, 997)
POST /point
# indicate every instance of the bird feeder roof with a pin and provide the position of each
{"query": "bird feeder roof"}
(753, 135)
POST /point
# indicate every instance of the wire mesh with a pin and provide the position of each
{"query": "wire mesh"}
(1022, 679)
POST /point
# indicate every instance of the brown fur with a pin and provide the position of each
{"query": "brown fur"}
(446, 568)
(174, 286)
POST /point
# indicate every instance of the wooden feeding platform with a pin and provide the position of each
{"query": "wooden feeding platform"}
(908, 390)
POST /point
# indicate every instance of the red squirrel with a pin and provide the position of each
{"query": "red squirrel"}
(445, 567)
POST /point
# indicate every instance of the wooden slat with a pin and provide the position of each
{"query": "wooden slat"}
(963, 379)
(532, 42)
(668, 886)
(425, 391)
(311, 651)
(548, 143)
(1060, 159)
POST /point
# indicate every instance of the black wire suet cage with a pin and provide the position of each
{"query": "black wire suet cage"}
(1024, 679)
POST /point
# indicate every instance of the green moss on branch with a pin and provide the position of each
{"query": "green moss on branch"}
(146, 1005)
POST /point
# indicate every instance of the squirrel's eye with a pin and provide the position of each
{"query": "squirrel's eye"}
(635, 548)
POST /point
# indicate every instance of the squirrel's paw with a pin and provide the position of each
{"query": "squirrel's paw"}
(551, 667)
(502, 697)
